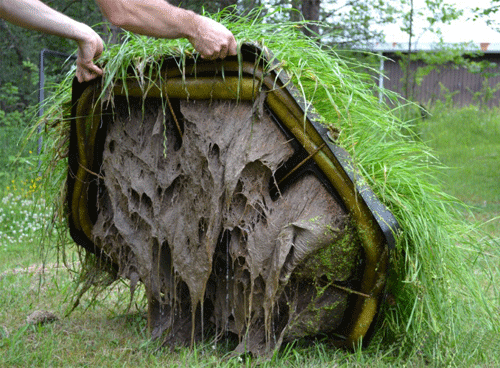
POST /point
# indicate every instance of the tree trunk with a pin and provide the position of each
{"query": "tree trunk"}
(295, 15)
(226, 3)
(310, 11)
(113, 34)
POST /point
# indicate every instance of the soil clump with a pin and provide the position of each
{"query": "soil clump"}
(186, 210)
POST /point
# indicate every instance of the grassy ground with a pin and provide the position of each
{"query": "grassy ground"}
(105, 332)
(468, 142)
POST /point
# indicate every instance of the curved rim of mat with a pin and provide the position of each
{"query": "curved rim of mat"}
(243, 78)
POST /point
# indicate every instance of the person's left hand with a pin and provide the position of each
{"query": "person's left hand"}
(89, 49)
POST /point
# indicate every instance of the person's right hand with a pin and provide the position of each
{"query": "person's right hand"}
(89, 49)
(212, 39)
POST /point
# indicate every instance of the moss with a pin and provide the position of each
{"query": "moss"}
(325, 305)
(332, 261)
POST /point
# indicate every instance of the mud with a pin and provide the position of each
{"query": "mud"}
(188, 213)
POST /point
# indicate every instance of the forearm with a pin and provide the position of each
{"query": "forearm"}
(34, 14)
(155, 18)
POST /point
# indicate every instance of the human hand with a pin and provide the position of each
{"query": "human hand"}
(89, 48)
(212, 39)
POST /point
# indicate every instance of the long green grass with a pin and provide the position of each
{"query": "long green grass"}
(443, 306)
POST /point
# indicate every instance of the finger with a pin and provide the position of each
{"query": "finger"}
(87, 73)
(223, 51)
(212, 56)
(99, 51)
(96, 70)
(98, 54)
(233, 47)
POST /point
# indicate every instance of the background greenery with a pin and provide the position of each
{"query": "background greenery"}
(344, 24)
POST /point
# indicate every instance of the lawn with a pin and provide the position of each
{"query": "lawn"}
(107, 330)
(468, 143)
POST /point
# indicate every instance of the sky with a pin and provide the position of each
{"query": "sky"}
(462, 30)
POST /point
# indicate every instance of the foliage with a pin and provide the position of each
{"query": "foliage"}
(489, 13)
(434, 12)
(356, 24)
(13, 125)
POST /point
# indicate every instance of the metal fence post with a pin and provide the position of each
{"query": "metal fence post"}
(41, 86)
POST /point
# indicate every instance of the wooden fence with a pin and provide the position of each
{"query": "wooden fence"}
(446, 82)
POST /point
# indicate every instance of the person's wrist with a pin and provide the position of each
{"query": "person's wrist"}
(190, 24)
(83, 33)
(89, 36)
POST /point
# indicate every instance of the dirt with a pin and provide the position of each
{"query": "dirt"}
(41, 317)
(192, 218)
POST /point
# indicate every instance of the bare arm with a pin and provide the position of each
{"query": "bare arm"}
(154, 18)
(157, 18)
(33, 14)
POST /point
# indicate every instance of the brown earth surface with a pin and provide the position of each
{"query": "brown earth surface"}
(187, 211)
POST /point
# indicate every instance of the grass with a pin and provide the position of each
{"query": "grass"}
(471, 152)
(103, 332)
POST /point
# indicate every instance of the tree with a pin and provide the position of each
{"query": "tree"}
(435, 12)
(358, 23)
(311, 11)
(489, 13)
(342, 23)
